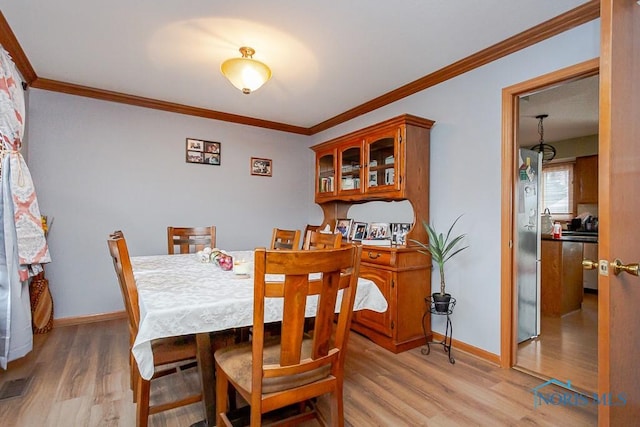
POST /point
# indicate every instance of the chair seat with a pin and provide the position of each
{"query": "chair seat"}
(236, 362)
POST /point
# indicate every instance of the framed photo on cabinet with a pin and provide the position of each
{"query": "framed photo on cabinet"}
(343, 226)
(358, 231)
(378, 230)
(399, 232)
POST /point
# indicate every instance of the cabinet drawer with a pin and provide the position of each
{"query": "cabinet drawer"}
(373, 255)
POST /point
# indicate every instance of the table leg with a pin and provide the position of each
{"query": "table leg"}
(206, 369)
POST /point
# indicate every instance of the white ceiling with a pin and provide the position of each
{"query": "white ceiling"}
(572, 110)
(327, 56)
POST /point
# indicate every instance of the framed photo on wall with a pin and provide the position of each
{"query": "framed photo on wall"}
(203, 152)
(261, 167)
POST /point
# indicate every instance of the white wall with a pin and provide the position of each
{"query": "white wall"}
(100, 166)
(576, 147)
(86, 155)
(466, 170)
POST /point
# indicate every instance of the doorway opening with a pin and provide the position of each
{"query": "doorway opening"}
(533, 360)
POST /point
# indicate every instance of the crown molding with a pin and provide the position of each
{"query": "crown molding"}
(9, 41)
(139, 101)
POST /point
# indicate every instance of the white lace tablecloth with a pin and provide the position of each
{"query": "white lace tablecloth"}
(179, 295)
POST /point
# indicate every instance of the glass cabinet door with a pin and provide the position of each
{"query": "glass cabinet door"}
(383, 161)
(326, 172)
(350, 168)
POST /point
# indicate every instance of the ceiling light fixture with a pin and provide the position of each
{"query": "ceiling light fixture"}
(548, 151)
(246, 73)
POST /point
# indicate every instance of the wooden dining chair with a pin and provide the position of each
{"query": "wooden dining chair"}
(171, 351)
(285, 239)
(132, 332)
(309, 227)
(190, 239)
(293, 368)
(316, 240)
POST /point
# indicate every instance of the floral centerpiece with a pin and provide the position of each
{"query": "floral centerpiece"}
(216, 256)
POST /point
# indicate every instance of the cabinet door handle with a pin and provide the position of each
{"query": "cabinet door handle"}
(371, 255)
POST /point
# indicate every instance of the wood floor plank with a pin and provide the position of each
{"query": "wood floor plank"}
(80, 377)
(567, 348)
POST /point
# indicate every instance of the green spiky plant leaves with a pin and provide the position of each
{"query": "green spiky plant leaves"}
(442, 248)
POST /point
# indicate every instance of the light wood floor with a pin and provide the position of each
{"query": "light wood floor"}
(567, 348)
(80, 378)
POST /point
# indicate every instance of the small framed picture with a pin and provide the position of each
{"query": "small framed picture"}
(378, 230)
(389, 176)
(343, 226)
(203, 152)
(373, 179)
(261, 167)
(399, 232)
(358, 231)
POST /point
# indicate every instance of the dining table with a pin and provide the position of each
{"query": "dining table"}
(184, 294)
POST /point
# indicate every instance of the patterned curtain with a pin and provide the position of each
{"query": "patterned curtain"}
(22, 243)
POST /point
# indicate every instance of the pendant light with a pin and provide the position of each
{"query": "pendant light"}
(548, 151)
(246, 73)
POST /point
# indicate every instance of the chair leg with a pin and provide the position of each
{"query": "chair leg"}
(135, 374)
(256, 416)
(336, 406)
(222, 396)
(143, 388)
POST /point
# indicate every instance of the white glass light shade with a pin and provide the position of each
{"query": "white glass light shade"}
(246, 73)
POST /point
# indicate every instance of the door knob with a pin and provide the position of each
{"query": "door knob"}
(619, 267)
(588, 264)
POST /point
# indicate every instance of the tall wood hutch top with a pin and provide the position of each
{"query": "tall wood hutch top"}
(388, 161)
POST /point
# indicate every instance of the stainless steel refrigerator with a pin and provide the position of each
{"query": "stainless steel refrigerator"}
(528, 243)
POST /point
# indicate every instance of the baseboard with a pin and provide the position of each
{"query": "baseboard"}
(92, 318)
(467, 348)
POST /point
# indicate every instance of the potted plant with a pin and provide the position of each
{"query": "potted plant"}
(442, 249)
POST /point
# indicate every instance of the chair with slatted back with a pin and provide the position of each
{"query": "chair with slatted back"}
(285, 239)
(190, 239)
(308, 228)
(132, 333)
(166, 351)
(293, 368)
(316, 240)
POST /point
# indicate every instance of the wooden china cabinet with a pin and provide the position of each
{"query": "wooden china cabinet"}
(388, 161)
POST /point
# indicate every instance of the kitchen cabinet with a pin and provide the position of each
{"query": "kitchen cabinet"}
(388, 161)
(586, 180)
(561, 277)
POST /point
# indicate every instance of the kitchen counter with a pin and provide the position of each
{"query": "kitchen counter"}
(571, 237)
(561, 274)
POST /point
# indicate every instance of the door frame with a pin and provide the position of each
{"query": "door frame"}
(508, 270)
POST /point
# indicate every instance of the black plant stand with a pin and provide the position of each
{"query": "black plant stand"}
(448, 335)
